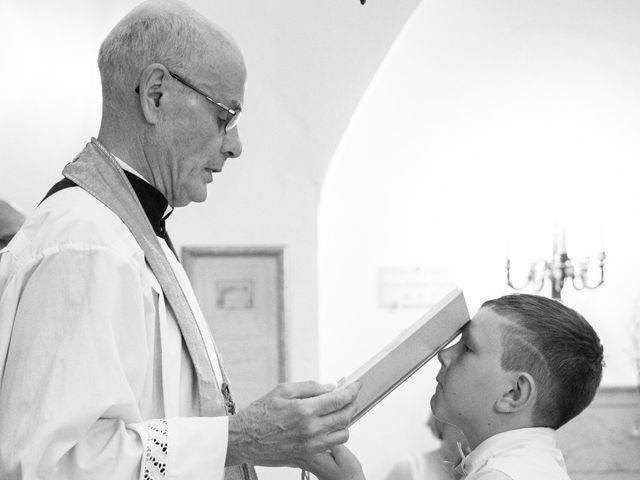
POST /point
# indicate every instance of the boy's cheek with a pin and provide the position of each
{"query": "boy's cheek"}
(434, 402)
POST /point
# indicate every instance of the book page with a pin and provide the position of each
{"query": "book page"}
(409, 351)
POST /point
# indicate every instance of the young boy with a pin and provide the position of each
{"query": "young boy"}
(524, 366)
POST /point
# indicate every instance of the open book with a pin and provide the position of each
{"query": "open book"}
(409, 351)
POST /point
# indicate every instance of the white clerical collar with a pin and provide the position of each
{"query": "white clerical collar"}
(128, 168)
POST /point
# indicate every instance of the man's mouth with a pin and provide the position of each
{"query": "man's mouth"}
(210, 172)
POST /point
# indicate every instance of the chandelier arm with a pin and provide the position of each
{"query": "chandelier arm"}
(539, 285)
(524, 285)
(593, 287)
(511, 285)
(584, 273)
(538, 288)
(576, 286)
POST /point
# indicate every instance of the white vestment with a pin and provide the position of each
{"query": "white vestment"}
(95, 379)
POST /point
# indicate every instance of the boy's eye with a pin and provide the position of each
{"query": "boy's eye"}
(466, 348)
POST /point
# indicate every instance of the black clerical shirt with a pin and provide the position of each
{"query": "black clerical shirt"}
(153, 203)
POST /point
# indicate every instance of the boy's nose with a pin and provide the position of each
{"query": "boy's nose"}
(443, 356)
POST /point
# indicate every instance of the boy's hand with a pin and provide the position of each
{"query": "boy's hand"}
(336, 464)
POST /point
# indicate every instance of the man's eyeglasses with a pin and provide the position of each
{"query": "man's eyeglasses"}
(233, 114)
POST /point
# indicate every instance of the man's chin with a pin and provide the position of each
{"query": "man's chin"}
(196, 197)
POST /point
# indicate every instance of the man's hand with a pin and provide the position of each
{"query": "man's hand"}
(337, 464)
(290, 423)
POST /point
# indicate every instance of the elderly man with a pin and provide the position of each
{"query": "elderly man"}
(107, 368)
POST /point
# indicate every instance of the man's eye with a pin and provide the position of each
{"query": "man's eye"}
(221, 120)
(466, 348)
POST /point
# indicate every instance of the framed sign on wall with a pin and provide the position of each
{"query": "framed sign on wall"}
(241, 293)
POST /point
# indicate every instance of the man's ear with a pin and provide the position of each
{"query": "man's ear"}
(151, 90)
(519, 395)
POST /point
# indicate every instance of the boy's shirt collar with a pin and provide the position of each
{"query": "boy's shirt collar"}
(511, 440)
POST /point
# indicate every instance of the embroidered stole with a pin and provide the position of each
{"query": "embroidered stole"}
(96, 171)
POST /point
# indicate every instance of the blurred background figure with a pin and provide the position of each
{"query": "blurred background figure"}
(435, 464)
(10, 222)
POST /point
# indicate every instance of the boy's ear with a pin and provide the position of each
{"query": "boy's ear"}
(520, 394)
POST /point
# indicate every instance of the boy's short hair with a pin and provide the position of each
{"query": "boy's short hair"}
(557, 347)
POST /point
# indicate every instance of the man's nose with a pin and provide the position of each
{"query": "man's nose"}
(231, 145)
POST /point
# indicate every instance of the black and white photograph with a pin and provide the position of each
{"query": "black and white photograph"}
(319, 239)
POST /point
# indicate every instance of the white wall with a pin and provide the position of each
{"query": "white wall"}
(303, 85)
(488, 119)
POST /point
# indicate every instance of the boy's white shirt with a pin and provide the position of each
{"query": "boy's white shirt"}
(522, 454)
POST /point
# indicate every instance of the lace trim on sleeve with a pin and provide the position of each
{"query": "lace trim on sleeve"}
(155, 462)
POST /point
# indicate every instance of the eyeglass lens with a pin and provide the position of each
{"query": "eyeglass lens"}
(232, 122)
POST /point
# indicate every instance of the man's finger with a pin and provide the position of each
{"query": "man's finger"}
(336, 438)
(338, 420)
(335, 400)
(305, 389)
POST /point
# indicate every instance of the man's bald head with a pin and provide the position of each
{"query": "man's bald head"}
(156, 65)
(166, 32)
